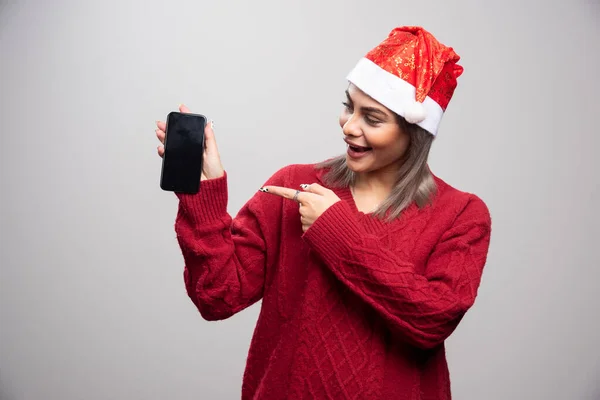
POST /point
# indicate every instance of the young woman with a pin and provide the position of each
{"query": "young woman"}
(364, 263)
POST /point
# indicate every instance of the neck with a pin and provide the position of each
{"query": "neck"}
(380, 182)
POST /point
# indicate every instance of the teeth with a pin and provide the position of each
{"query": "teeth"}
(357, 148)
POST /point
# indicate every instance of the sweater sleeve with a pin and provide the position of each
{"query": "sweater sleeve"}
(423, 309)
(225, 258)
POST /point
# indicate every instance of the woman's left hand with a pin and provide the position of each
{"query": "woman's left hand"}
(313, 199)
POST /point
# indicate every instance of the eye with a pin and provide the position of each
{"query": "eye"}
(372, 121)
(347, 106)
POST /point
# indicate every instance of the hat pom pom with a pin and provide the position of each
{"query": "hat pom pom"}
(415, 113)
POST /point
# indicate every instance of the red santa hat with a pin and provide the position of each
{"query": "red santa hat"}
(412, 74)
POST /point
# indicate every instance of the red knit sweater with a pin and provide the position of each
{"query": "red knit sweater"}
(355, 308)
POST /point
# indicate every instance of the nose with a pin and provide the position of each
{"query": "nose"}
(351, 127)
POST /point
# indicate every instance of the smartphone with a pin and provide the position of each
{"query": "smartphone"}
(184, 150)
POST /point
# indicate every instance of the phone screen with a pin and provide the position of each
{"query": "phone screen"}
(184, 148)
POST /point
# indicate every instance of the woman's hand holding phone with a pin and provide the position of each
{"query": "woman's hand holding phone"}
(211, 166)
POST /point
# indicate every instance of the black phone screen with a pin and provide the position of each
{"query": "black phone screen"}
(184, 148)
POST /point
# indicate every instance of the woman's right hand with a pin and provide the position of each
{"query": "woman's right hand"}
(211, 165)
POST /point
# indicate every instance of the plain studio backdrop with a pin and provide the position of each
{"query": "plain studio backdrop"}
(93, 304)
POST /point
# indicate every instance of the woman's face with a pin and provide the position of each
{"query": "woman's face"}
(376, 141)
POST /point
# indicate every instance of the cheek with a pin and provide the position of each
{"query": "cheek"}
(343, 119)
(401, 147)
(391, 143)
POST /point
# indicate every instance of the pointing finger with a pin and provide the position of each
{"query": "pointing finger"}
(279, 191)
(315, 188)
(183, 108)
(287, 193)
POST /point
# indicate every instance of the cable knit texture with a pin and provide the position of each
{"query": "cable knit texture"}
(356, 307)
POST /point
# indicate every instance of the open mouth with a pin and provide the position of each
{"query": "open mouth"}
(356, 148)
(359, 149)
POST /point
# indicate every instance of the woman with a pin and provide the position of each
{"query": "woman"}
(364, 263)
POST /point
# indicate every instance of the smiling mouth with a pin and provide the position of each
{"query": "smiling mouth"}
(358, 149)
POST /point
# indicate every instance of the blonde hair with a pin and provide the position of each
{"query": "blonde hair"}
(415, 182)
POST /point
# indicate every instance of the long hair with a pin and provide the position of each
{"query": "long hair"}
(414, 183)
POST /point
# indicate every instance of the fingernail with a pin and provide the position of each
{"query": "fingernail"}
(262, 189)
(212, 124)
(304, 186)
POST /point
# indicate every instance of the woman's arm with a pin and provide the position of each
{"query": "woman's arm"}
(423, 309)
(225, 257)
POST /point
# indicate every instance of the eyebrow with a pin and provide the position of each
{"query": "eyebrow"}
(373, 110)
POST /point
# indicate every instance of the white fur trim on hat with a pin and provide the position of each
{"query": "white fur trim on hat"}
(396, 94)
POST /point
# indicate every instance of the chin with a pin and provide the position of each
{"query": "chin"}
(356, 166)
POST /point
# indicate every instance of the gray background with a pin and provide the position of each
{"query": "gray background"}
(92, 298)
